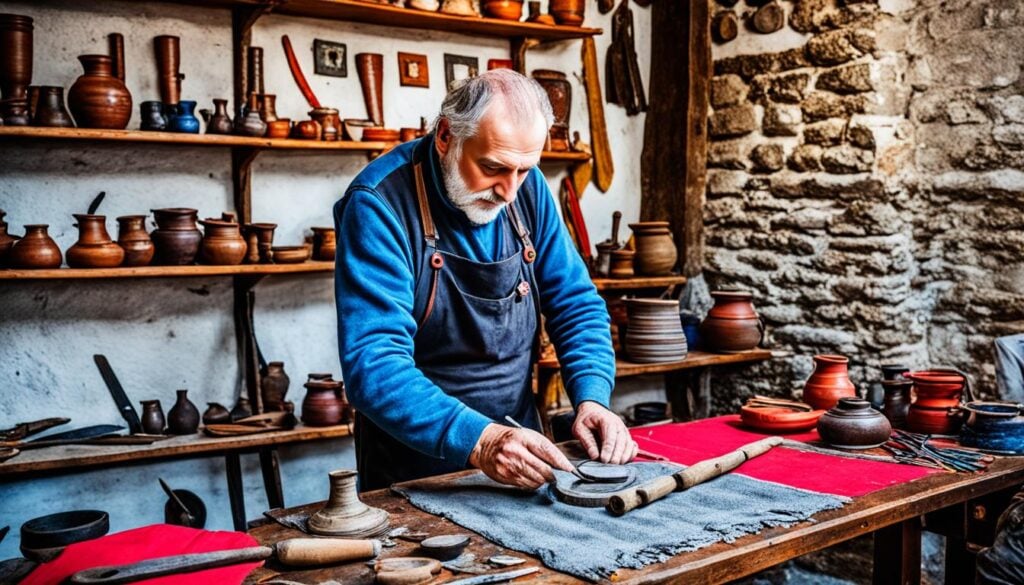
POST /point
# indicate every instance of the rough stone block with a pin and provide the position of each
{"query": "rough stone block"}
(868, 244)
(718, 209)
(815, 336)
(782, 120)
(727, 155)
(767, 158)
(727, 90)
(964, 112)
(993, 60)
(821, 105)
(832, 48)
(785, 88)
(1004, 109)
(864, 40)
(1009, 135)
(827, 133)
(729, 239)
(868, 218)
(806, 219)
(812, 15)
(861, 137)
(846, 160)
(734, 121)
(828, 187)
(760, 260)
(792, 59)
(747, 66)
(805, 158)
(848, 79)
(726, 183)
(782, 314)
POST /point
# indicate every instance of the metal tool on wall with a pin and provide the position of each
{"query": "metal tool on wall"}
(124, 406)
(622, 73)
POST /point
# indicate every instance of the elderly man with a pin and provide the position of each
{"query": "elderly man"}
(449, 250)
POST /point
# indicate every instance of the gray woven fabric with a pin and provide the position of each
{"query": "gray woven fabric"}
(591, 544)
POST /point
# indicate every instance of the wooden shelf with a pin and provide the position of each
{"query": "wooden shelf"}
(72, 457)
(638, 282)
(694, 359)
(553, 156)
(166, 271)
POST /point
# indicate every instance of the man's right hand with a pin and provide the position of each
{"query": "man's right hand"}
(519, 457)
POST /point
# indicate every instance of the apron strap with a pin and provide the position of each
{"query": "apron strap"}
(529, 252)
(430, 235)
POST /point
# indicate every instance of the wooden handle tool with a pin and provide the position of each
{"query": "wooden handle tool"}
(307, 552)
(300, 79)
(695, 474)
(604, 169)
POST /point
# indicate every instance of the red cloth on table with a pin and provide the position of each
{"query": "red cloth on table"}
(688, 443)
(149, 542)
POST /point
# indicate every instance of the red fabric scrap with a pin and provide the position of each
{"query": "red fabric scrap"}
(688, 443)
(149, 542)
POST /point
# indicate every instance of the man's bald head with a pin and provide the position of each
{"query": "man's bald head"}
(467, 104)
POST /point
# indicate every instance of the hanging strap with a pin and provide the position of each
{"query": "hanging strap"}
(529, 252)
(430, 235)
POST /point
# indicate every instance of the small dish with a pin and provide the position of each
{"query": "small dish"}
(290, 254)
(446, 547)
(779, 420)
(380, 135)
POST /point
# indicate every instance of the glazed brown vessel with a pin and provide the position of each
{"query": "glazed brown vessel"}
(183, 418)
(323, 405)
(655, 250)
(134, 240)
(49, 110)
(829, 382)
(264, 235)
(15, 68)
(621, 263)
(560, 95)
(569, 12)
(370, 67)
(853, 424)
(330, 123)
(274, 387)
(223, 244)
(98, 99)
(732, 325)
(36, 249)
(897, 401)
(219, 122)
(503, 9)
(177, 238)
(152, 418)
(216, 413)
(168, 62)
(94, 248)
(325, 243)
(267, 105)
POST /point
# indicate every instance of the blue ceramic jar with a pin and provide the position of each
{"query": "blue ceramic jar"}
(184, 119)
(997, 427)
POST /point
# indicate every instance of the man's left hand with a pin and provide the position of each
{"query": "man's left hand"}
(603, 434)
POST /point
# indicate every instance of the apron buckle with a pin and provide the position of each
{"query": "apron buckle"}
(523, 289)
(529, 254)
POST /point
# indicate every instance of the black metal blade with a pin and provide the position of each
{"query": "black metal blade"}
(124, 406)
(89, 432)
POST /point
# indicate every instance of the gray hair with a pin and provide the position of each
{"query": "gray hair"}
(466, 104)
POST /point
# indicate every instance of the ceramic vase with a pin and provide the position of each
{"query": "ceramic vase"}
(94, 248)
(264, 236)
(323, 405)
(936, 409)
(503, 9)
(250, 124)
(370, 67)
(184, 120)
(559, 93)
(620, 264)
(153, 421)
(49, 110)
(183, 419)
(219, 122)
(223, 244)
(134, 240)
(98, 99)
(36, 249)
(896, 403)
(216, 414)
(345, 515)
(829, 382)
(654, 333)
(242, 409)
(168, 63)
(267, 107)
(655, 250)
(330, 123)
(732, 324)
(853, 424)
(152, 115)
(15, 68)
(325, 243)
(274, 387)
(177, 238)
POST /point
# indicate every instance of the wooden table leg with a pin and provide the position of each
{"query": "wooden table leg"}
(898, 554)
(236, 495)
(271, 468)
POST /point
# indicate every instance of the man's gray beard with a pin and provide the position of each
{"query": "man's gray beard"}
(464, 199)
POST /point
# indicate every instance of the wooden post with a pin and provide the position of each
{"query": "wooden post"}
(898, 554)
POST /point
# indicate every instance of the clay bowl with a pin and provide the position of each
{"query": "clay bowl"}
(779, 420)
(306, 130)
(381, 135)
(503, 9)
(48, 535)
(279, 128)
(446, 547)
(290, 254)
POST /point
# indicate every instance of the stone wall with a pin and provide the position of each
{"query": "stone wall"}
(865, 182)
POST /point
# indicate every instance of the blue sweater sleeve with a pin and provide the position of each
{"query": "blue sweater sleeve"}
(374, 285)
(576, 316)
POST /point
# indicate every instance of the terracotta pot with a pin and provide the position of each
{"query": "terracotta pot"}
(732, 324)
(325, 243)
(152, 418)
(323, 405)
(569, 12)
(168, 63)
(177, 238)
(829, 382)
(655, 250)
(621, 263)
(183, 419)
(134, 240)
(370, 67)
(264, 234)
(274, 387)
(897, 401)
(223, 244)
(36, 249)
(50, 110)
(559, 93)
(219, 122)
(98, 99)
(215, 414)
(306, 130)
(267, 106)
(330, 123)
(279, 128)
(936, 409)
(94, 248)
(15, 68)
(853, 424)
(503, 9)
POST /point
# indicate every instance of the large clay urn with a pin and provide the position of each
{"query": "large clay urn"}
(94, 248)
(936, 409)
(177, 238)
(829, 382)
(36, 249)
(183, 418)
(98, 99)
(134, 240)
(223, 244)
(15, 68)
(274, 387)
(323, 405)
(732, 324)
(655, 251)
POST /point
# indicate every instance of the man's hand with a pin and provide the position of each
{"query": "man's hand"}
(596, 425)
(519, 457)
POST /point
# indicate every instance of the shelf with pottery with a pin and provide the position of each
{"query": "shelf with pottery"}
(167, 271)
(694, 359)
(77, 457)
(638, 282)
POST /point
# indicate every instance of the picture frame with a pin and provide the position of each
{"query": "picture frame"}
(330, 58)
(459, 67)
(413, 70)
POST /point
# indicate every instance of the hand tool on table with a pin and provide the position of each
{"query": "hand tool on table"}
(22, 430)
(124, 406)
(604, 168)
(695, 474)
(184, 515)
(300, 79)
(575, 470)
(495, 578)
(294, 552)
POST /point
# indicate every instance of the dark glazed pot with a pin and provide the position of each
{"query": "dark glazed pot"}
(274, 387)
(219, 122)
(894, 371)
(994, 426)
(655, 250)
(98, 99)
(829, 382)
(853, 424)
(177, 238)
(569, 12)
(50, 110)
(35, 250)
(223, 244)
(732, 325)
(325, 243)
(15, 68)
(153, 421)
(183, 419)
(94, 248)
(153, 118)
(897, 401)
(216, 414)
(242, 409)
(184, 120)
(323, 405)
(134, 240)
(250, 124)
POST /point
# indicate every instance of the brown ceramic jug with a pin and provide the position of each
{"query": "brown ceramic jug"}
(50, 110)
(330, 123)
(732, 325)
(655, 251)
(98, 99)
(267, 106)
(274, 387)
(325, 243)
(323, 405)
(620, 263)
(183, 419)
(177, 238)
(829, 382)
(896, 403)
(133, 238)
(36, 249)
(264, 236)
(219, 122)
(153, 421)
(215, 414)
(6, 239)
(94, 248)
(223, 244)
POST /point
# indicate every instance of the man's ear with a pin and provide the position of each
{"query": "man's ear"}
(443, 137)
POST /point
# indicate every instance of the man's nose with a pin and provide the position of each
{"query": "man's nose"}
(507, 188)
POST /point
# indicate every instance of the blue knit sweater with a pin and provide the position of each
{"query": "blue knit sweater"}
(374, 283)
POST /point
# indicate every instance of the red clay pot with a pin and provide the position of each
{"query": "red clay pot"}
(35, 250)
(133, 238)
(98, 99)
(829, 382)
(323, 405)
(223, 244)
(94, 248)
(936, 409)
(732, 325)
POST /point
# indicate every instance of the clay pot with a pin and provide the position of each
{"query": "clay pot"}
(936, 409)
(250, 124)
(995, 427)
(242, 409)
(503, 9)
(264, 234)
(732, 325)
(325, 243)
(36, 249)
(853, 424)
(177, 238)
(153, 421)
(559, 93)
(829, 382)
(153, 118)
(330, 123)
(323, 405)
(896, 403)
(223, 244)
(168, 62)
(215, 414)
(15, 68)
(279, 128)
(94, 248)
(535, 15)
(655, 250)
(134, 240)
(345, 515)
(267, 105)
(50, 110)
(306, 130)
(621, 264)
(370, 67)
(568, 12)
(183, 419)
(219, 122)
(98, 99)
(274, 387)
(655, 333)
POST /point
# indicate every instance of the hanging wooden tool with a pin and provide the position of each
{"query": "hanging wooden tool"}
(695, 474)
(603, 166)
(581, 172)
(300, 79)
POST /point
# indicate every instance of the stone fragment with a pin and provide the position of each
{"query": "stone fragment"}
(815, 336)
(846, 160)
(727, 90)
(861, 137)
(747, 66)
(864, 218)
(827, 133)
(963, 112)
(782, 120)
(993, 62)
(795, 58)
(811, 15)
(1009, 135)
(726, 155)
(1005, 108)
(808, 218)
(786, 88)
(829, 187)
(848, 79)
(864, 40)
(760, 260)
(734, 121)
(805, 158)
(726, 183)
(767, 158)
(821, 105)
(832, 48)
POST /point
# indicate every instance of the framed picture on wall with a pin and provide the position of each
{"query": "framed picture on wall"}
(459, 67)
(329, 58)
(412, 70)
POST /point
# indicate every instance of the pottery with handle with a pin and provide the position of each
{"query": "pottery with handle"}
(98, 99)
(829, 382)
(134, 240)
(94, 248)
(177, 238)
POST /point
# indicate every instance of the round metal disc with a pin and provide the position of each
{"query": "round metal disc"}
(588, 494)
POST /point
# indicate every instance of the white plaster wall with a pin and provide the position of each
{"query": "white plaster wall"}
(164, 334)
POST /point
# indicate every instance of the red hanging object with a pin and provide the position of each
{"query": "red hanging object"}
(576, 217)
